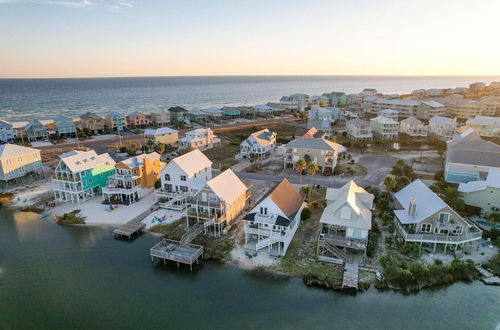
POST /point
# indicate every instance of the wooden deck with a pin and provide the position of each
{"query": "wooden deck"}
(133, 226)
(350, 279)
(168, 249)
(487, 277)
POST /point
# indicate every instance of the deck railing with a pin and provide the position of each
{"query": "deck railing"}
(438, 238)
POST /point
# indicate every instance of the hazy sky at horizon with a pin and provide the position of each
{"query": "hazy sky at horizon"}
(98, 38)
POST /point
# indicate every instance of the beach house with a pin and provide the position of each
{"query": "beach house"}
(323, 126)
(263, 110)
(197, 115)
(92, 123)
(65, 126)
(35, 131)
(384, 128)
(389, 113)
(442, 128)
(423, 217)
(218, 203)
(138, 120)
(6, 132)
(18, 161)
(470, 158)
(309, 133)
(272, 223)
(484, 126)
(413, 127)
(160, 118)
(330, 114)
(484, 194)
(429, 109)
(405, 108)
(134, 178)
(177, 113)
(80, 175)
(345, 224)
(359, 130)
(165, 135)
(213, 114)
(259, 144)
(201, 138)
(115, 122)
(321, 151)
(181, 177)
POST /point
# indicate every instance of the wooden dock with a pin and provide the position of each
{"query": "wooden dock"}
(168, 249)
(350, 279)
(133, 226)
(488, 277)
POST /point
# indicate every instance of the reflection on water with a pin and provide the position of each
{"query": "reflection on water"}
(80, 277)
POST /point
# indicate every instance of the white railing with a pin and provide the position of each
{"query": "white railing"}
(112, 190)
(267, 242)
(437, 238)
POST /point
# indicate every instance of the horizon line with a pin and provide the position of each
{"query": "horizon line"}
(256, 75)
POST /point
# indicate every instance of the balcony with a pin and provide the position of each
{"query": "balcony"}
(120, 189)
(351, 243)
(473, 234)
(65, 178)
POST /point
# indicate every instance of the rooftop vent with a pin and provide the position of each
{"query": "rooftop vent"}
(412, 208)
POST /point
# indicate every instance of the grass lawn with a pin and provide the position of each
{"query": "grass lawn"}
(300, 259)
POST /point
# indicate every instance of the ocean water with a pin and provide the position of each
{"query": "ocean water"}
(23, 99)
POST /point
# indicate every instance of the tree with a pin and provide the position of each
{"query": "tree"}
(306, 213)
(453, 198)
(400, 162)
(300, 167)
(402, 182)
(390, 183)
(397, 171)
(312, 168)
(307, 158)
(160, 148)
(494, 217)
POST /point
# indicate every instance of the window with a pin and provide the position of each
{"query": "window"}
(167, 177)
(184, 188)
(90, 181)
(444, 217)
(426, 227)
(263, 210)
(183, 178)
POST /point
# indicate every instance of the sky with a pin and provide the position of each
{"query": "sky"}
(114, 38)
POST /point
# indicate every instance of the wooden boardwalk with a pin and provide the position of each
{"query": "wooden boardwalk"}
(350, 279)
(487, 277)
(133, 226)
(168, 249)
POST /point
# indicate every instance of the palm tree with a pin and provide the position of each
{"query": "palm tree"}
(390, 183)
(300, 166)
(453, 198)
(312, 168)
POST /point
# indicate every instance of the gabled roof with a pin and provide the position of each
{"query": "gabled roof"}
(62, 118)
(484, 121)
(89, 115)
(66, 124)
(433, 104)
(12, 150)
(308, 133)
(138, 161)
(320, 124)
(441, 120)
(348, 206)
(33, 123)
(428, 203)
(114, 115)
(196, 112)
(469, 148)
(136, 113)
(318, 144)
(412, 120)
(5, 123)
(227, 186)
(159, 131)
(177, 109)
(262, 138)
(192, 162)
(213, 111)
(287, 198)
(384, 120)
(262, 107)
(358, 122)
(78, 161)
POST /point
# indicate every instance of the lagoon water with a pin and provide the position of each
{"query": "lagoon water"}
(54, 277)
(23, 99)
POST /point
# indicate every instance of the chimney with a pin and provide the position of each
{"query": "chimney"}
(412, 208)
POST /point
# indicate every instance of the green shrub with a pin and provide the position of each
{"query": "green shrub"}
(71, 218)
(306, 214)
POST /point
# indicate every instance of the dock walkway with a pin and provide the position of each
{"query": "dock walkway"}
(135, 225)
(487, 277)
(168, 249)
(350, 279)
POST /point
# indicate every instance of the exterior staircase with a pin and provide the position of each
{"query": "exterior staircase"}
(334, 250)
(267, 242)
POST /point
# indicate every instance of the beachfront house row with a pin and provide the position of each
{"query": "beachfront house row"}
(92, 123)
(201, 138)
(309, 133)
(319, 100)
(213, 114)
(138, 120)
(484, 194)
(65, 126)
(423, 217)
(484, 126)
(181, 177)
(6, 132)
(160, 119)
(134, 178)
(18, 161)
(389, 113)
(272, 223)
(80, 175)
(259, 144)
(218, 203)
(321, 151)
(470, 158)
(405, 108)
(35, 131)
(196, 115)
(442, 128)
(115, 122)
(337, 99)
(263, 110)
(467, 109)
(428, 109)
(165, 135)
(413, 127)
(346, 221)
(359, 130)
(384, 128)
